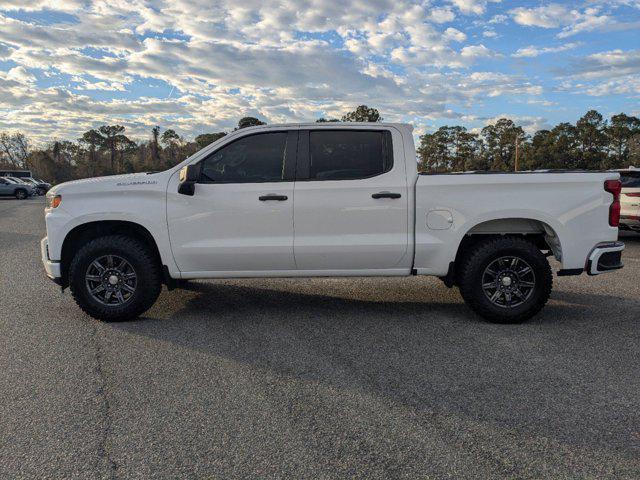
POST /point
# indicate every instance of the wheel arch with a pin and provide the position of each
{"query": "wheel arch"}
(540, 232)
(85, 232)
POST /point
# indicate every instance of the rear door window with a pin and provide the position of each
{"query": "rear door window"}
(349, 154)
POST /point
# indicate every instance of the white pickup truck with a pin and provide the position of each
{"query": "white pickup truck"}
(334, 200)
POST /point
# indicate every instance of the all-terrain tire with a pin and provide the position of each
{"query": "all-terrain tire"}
(139, 257)
(478, 285)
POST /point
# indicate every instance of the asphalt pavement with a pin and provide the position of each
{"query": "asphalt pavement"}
(320, 378)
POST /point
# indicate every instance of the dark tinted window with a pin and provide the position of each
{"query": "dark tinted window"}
(349, 154)
(252, 159)
(630, 180)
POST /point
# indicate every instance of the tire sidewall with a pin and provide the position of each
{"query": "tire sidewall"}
(138, 301)
(475, 295)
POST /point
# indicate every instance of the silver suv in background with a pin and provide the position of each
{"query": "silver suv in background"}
(21, 181)
(630, 199)
(13, 188)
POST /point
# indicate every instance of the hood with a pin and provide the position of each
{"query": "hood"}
(108, 183)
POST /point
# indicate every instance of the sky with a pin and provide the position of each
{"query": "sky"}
(198, 66)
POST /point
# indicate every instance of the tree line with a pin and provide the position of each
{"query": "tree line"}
(106, 150)
(592, 143)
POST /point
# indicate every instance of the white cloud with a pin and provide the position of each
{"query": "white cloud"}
(468, 7)
(5, 51)
(554, 15)
(35, 5)
(627, 86)
(615, 72)
(532, 51)
(20, 75)
(454, 34)
(588, 21)
(441, 15)
(104, 86)
(546, 16)
(496, 19)
(613, 63)
(477, 51)
(529, 124)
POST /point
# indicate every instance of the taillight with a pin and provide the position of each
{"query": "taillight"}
(614, 187)
(632, 194)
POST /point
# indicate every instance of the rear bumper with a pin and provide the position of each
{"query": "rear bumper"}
(605, 257)
(51, 268)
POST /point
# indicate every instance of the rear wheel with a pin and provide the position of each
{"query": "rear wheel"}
(505, 279)
(114, 278)
(20, 194)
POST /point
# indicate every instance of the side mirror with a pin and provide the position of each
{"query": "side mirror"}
(189, 175)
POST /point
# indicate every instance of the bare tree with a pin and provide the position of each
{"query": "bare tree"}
(14, 149)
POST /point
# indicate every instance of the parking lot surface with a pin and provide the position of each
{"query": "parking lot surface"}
(320, 378)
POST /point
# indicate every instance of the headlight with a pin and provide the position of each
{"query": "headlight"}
(53, 201)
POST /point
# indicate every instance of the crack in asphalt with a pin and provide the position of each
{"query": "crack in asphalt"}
(105, 429)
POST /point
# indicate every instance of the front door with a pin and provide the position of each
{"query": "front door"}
(352, 202)
(240, 218)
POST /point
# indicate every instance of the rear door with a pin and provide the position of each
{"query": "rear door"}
(351, 212)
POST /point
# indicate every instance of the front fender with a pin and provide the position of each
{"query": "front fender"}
(146, 209)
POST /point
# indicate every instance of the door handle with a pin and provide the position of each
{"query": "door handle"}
(385, 195)
(271, 196)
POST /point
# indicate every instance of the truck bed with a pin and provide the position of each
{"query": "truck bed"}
(570, 208)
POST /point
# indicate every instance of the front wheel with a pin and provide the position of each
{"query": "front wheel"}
(115, 278)
(505, 279)
(21, 194)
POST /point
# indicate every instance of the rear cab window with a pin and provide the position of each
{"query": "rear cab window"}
(347, 154)
(630, 179)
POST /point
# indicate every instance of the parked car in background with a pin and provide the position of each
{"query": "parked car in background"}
(40, 186)
(630, 199)
(361, 209)
(46, 185)
(10, 187)
(22, 181)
